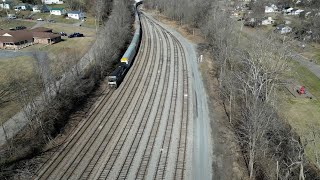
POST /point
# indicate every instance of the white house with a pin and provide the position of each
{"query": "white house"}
(22, 7)
(58, 11)
(267, 21)
(270, 9)
(5, 4)
(76, 15)
(282, 29)
(52, 1)
(298, 12)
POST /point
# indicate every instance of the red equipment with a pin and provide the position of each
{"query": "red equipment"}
(301, 90)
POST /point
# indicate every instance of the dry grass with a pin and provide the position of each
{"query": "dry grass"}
(7, 24)
(21, 68)
(22, 65)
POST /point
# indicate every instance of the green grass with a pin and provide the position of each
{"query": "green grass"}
(307, 79)
(7, 24)
(303, 114)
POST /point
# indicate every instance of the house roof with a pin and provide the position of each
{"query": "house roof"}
(74, 12)
(15, 36)
(41, 29)
(45, 35)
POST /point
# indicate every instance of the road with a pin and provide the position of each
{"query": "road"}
(144, 129)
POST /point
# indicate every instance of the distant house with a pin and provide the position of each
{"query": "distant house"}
(15, 39)
(76, 15)
(52, 1)
(6, 4)
(22, 7)
(283, 29)
(23, 38)
(298, 12)
(40, 8)
(270, 9)
(288, 10)
(58, 11)
(267, 21)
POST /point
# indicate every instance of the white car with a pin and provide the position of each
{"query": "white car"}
(40, 19)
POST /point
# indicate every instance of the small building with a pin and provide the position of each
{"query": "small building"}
(22, 7)
(12, 16)
(15, 39)
(267, 21)
(52, 2)
(5, 4)
(270, 9)
(58, 11)
(46, 38)
(298, 12)
(40, 8)
(283, 29)
(76, 15)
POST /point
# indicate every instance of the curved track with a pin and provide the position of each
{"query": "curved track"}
(140, 130)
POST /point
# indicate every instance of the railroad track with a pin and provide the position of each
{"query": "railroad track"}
(122, 136)
(73, 143)
(180, 160)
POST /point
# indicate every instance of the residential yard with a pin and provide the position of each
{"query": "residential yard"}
(303, 114)
(7, 24)
(89, 22)
(21, 68)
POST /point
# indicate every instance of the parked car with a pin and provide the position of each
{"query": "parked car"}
(76, 34)
(12, 16)
(51, 21)
(63, 33)
(20, 27)
(40, 19)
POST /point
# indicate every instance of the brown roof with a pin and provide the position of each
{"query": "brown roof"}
(45, 35)
(41, 29)
(16, 36)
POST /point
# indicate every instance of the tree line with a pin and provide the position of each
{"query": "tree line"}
(250, 72)
(60, 99)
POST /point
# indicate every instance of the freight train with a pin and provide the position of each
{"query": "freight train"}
(117, 76)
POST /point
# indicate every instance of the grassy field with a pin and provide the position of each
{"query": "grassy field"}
(304, 114)
(89, 22)
(7, 24)
(14, 68)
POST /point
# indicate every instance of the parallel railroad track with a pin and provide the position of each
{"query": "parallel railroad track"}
(124, 135)
(105, 146)
(92, 120)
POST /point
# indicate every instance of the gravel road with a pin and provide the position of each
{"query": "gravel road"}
(144, 129)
